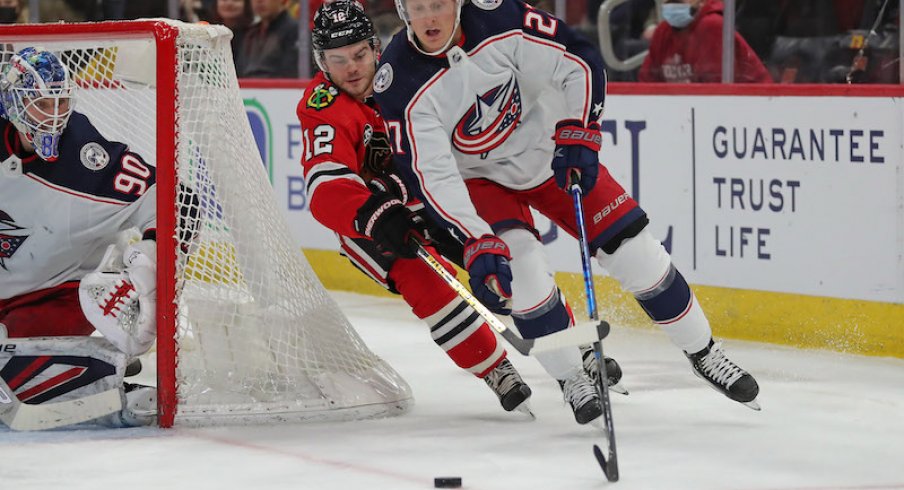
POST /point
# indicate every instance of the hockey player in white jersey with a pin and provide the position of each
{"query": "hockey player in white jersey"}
(494, 105)
(66, 195)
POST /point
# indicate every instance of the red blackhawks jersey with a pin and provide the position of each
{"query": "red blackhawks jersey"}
(345, 145)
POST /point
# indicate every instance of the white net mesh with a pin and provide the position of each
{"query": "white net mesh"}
(257, 336)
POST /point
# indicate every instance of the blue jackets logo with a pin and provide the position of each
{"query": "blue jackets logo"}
(9, 243)
(490, 121)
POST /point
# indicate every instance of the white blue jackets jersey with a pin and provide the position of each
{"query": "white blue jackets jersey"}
(488, 107)
(57, 218)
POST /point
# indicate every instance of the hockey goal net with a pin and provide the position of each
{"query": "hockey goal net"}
(246, 331)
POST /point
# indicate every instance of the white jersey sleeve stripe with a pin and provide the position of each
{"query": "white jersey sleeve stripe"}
(82, 195)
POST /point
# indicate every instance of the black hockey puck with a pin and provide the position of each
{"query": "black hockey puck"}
(447, 482)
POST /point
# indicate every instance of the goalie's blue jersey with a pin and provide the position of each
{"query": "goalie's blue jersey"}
(488, 107)
(56, 218)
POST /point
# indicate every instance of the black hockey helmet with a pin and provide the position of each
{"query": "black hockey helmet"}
(341, 23)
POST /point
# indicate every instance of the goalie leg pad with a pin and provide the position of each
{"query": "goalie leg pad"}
(60, 368)
(643, 267)
(56, 369)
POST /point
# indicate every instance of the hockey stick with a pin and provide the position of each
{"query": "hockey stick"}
(610, 465)
(24, 416)
(577, 335)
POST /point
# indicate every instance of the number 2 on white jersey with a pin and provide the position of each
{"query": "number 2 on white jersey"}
(537, 22)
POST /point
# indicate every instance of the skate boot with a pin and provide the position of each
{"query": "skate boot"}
(133, 368)
(139, 408)
(724, 375)
(583, 397)
(505, 381)
(613, 370)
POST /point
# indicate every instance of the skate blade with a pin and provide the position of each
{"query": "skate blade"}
(618, 388)
(526, 410)
(598, 423)
(752, 404)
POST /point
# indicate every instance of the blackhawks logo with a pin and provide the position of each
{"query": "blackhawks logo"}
(322, 96)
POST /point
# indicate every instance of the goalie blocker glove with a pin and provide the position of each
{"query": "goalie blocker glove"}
(393, 227)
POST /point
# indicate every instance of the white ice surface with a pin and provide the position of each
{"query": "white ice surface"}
(829, 421)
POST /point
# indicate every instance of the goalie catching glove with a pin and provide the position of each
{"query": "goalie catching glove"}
(120, 297)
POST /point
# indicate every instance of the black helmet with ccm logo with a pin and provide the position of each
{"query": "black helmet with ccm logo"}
(340, 23)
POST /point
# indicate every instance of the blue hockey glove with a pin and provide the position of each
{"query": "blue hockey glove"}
(577, 150)
(487, 260)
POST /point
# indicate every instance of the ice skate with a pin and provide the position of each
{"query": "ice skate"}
(133, 368)
(139, 408)
(583, 397)
(613, 370)
(725, 376)
(512, 391)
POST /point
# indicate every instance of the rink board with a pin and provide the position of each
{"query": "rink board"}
(784, 206)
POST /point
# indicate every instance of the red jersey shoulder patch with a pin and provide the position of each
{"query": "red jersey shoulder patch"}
(322, 96)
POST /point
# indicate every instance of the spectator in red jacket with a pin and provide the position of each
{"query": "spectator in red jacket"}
(687, 47)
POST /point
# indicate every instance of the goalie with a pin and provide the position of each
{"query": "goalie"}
(67, 193)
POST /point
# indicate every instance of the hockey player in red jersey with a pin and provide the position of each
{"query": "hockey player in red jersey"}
(352, 191)
(66, 195)
(496, 104)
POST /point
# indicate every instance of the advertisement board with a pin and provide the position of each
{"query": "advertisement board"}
(788, 194)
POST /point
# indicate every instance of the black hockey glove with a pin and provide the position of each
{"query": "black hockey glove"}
(391, 184)
(577, 150)
(393, 227)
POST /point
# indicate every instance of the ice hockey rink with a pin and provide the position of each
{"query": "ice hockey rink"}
(829, 421)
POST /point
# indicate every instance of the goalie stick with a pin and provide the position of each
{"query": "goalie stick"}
(610, 464)
(23, 416)
(577, 335)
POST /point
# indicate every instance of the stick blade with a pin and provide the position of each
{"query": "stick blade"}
(610, 467)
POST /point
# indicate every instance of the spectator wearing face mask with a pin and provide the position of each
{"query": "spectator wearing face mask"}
(10, 12)
(687, 47)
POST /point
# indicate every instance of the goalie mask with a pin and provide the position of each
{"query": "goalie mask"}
(36, 96)
(339, 24)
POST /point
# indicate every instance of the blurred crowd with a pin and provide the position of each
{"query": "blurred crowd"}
(776, 41)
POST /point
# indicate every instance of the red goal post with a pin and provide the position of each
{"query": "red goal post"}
(246, 332)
